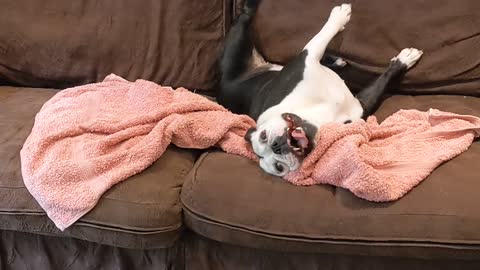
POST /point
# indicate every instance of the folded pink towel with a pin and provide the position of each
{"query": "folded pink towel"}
(383, 162)
(87, 139)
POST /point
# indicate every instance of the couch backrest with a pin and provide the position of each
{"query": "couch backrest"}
(447, 31)
(58, 43)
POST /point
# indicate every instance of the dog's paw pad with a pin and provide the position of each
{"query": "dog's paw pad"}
(408, 57)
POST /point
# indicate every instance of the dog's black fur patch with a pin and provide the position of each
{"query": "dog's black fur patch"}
(369, 97)
(255, 94)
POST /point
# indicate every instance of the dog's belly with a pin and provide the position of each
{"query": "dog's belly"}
(321, 97)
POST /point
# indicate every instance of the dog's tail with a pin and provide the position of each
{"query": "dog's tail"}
(238, 44)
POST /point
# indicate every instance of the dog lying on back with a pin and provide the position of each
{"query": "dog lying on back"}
(292, 102)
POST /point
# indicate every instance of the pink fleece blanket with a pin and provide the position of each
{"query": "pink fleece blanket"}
(87, 139)
(382, 162)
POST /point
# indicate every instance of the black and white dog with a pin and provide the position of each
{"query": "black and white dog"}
(290, 103)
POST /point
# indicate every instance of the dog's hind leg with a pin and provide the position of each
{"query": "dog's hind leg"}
(316, 47)
(235, 61)
(333, 62)
(370, 96)
(238, 44)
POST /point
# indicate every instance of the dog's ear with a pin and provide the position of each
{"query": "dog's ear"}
(248, 135)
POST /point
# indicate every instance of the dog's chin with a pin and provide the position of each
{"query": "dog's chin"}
(295, 164)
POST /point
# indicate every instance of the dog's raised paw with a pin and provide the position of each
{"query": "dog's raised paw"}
(408, 57)
(340, 15)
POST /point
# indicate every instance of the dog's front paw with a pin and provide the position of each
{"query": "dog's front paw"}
(340, 15)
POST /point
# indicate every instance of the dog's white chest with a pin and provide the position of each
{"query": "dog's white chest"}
(321, 97)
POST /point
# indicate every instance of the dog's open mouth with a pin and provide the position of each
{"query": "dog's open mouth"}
(296, 137)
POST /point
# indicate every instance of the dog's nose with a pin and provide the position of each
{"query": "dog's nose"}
(279, 145)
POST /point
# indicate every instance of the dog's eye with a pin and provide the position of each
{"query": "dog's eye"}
(263, 136)
(278, 167)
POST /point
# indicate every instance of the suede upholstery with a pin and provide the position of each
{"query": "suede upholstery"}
(437, 218)
(143, 212)
(55, 44)
(217, 211)
(446, 31)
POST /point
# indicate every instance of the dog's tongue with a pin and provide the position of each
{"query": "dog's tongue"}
(300, 137)
(296, 133)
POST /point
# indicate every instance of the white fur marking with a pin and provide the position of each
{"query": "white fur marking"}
(339, 17)
(340, 62)
(258, 62)
(275, 67)
(408, 56)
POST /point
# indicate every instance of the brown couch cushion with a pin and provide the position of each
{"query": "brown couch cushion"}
(141, 212)
(56, 43)
(229, 198)
(446, 30)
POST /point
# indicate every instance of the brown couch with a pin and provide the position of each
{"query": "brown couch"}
(209, 210)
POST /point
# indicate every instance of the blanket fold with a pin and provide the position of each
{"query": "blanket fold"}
(382, 162)
(88, 138)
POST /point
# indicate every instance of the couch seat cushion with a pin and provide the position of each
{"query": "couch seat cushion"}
(142, 212)
(230, 199)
